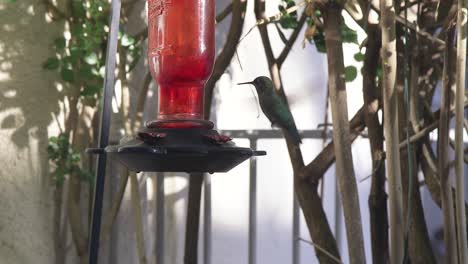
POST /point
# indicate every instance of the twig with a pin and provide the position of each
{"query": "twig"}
(223, 14)
(141, 35)
(424, 34)
(224, 58)
(429, 128)
(324, 134)
(278, 16)
(137, 220)
(337, 260)
(281, 34)
(109, 217)
(58, 123)
(292, 39)
(453, 146)
(56, 14)
(142, 95)
(266, 20)
(374, 170)
(323, 161)
(125, 93)
(74, 217)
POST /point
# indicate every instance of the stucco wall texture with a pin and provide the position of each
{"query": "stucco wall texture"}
(28, 98)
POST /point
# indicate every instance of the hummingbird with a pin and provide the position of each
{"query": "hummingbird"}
(274, 108)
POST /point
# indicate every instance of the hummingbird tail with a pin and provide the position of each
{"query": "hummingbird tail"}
(294, 133)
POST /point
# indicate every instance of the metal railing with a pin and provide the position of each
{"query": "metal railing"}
(252, 136)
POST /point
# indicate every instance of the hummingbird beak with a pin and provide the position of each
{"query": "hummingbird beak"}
(245, 83)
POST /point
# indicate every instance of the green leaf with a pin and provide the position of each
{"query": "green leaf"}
(79, 8)
(348, 35)
(350, 73)
(85, 176)
(91, 59)
(86, 73)
(319, 40)
(67, 75)
(51, 63)
(76, 54)
(102, 71)
(136, 55)
(89, 101)
(288, 22)
(59, 178)
(127, 40)
(90, 90)
(60, 43)
(359, 56)
(379, 71)
(75, 157)
(76, 28)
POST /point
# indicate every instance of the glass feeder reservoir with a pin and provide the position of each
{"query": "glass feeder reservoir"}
(181, 55)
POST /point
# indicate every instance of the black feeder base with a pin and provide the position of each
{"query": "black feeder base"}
(199, 149)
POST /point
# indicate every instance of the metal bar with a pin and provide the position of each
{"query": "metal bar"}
(207, 220)
(253, 206)
(269, 133)
(109, 81)
(295, 232)
(193, 218)
(160, 209)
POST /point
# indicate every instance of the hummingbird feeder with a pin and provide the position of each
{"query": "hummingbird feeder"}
(181, 57)
(181, 51)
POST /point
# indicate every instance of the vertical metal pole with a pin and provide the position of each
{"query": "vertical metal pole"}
(295, 231)
(207, 220)
(253, 206)
(193, 218)
(106, 105)
(160, 209)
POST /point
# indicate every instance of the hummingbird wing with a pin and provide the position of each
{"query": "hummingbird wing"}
(279, 114)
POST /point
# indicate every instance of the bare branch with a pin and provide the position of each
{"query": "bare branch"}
(224, 58)
(306, 193)
(56, 14)
(389, 70)
(321, 249)
(315, 170)
(459, 120)
(140, 107)
(424, 34)
(111, 214)
(74, 217)
(223, 14)
(137, 219)
(125, 93)
(378, 196)
(341, 133)
(292, 39)
(289, 10)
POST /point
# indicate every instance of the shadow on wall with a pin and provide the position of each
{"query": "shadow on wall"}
(28, 97)
(28, 94)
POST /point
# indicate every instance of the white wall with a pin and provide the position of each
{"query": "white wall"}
(27, 99)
